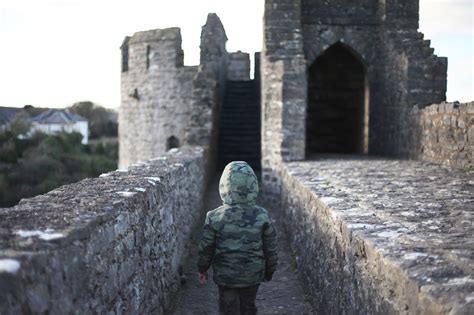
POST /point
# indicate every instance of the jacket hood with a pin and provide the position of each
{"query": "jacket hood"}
(238, 184)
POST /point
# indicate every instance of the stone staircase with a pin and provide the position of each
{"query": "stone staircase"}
(239, 125)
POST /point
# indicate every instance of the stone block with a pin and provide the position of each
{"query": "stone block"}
(470, 136)
(470, 108)
(449, 108)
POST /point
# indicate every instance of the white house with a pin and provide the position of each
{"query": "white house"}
(54, 121)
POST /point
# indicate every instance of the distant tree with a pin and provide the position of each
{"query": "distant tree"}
(37, 164)
(84, 108)
(100, 119)
(20, 124)
(112, 125)
(8, 153)
(33, 111)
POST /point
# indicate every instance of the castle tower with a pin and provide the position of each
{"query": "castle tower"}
(340, 77)
(156, 93)
(164, 103)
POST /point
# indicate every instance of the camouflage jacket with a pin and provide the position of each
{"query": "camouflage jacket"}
(238, 238)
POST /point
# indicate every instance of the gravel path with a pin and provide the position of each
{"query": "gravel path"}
(283, 295)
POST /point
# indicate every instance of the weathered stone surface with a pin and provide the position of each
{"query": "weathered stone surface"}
(209, 85)
(444, 134)
(238, 66)
(379, 236)
(112, 244)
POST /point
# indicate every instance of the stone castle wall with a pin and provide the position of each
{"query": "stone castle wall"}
(113, 244)
(444, 134)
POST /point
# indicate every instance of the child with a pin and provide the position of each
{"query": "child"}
(239, 240)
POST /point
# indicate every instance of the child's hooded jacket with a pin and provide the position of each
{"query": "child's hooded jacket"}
(238, 239)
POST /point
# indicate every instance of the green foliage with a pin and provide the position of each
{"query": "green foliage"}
(33, 111)
(107, 147)
(33, 166)
(101, 120)
(8, 152)
(20, 125)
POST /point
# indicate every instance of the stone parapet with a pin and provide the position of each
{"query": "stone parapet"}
(374, 236)
(445, 134)
(113, 244)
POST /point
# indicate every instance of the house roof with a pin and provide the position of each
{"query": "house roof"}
(57, 116)
(8, 113)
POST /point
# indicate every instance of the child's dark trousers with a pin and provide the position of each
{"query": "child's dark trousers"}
(237, 301)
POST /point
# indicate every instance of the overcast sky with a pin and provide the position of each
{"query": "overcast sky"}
(57, 52)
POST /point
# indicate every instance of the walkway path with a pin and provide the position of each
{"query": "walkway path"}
(283, 295)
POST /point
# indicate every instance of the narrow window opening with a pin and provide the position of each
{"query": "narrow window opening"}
(171, 143)
(147, 57)
(124, 49)
(125, 58)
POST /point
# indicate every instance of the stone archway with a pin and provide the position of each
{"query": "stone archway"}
(337, 111)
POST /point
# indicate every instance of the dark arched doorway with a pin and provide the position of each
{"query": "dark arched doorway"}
(172, 143)
(337, 112)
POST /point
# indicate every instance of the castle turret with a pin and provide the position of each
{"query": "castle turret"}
(156, 95)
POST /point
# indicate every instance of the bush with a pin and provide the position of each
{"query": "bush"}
(8, 153)
(102, 121)
(35, 166)
(20, 125)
